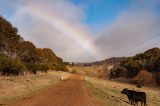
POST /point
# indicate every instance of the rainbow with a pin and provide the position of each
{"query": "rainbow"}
(81, 37)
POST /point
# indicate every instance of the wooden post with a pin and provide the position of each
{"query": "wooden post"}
(86, 78)
(62, 78)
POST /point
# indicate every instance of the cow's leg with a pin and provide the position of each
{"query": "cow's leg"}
(134, 104)
(130, 101)
(137, 103)
(141, 103)
(145, 103)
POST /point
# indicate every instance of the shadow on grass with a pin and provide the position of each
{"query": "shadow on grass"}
(121, 99)
(1, 104)
(26, 98)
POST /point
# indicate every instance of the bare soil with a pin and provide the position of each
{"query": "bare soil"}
(71, 92)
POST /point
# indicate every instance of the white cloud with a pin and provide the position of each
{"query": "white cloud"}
(133, 32)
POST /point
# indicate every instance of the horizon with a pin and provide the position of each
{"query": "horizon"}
(87, 31)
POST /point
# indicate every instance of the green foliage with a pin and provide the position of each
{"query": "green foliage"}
(131, 67)
(10, 66)
(116, 73)
(37, 67)
(45, 67)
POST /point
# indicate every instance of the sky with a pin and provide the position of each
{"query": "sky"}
(87, 30)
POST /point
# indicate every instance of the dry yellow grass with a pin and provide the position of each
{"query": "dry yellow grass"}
(12, 88)
(80, 69)
(109, 92)
(86, 70)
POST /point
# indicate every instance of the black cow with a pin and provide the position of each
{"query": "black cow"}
(135, 96)
(138, 86)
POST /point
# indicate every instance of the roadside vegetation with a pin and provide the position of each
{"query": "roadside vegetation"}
(109, 92)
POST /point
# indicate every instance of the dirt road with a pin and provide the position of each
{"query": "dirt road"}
(71, 92)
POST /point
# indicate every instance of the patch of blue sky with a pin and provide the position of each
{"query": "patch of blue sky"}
(101, 13)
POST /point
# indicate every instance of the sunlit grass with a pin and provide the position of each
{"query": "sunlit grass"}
(109, 92)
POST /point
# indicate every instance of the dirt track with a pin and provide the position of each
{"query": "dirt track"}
(71, 92)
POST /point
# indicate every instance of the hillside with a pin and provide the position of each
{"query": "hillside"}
(147, 63)
(18, 56)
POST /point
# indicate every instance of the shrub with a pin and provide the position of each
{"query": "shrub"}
(32, 68)
(61, 68)
(10, 66)
(114, 73)
(37, 67)
(157, 76)
(64, 68)
(43, 67)
(145, 77)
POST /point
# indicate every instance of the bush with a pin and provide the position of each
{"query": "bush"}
(61, 68)
(64, 68)
(37, 67)
(157, 76)
(32, 68)
(43, 67)
(144, 77)
(115, 73)
(10, 66)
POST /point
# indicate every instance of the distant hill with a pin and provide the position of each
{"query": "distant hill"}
(18, 55)
(110, 61)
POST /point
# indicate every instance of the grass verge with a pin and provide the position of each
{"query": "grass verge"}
(109, 92)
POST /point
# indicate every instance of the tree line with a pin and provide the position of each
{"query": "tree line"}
(18, 55)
